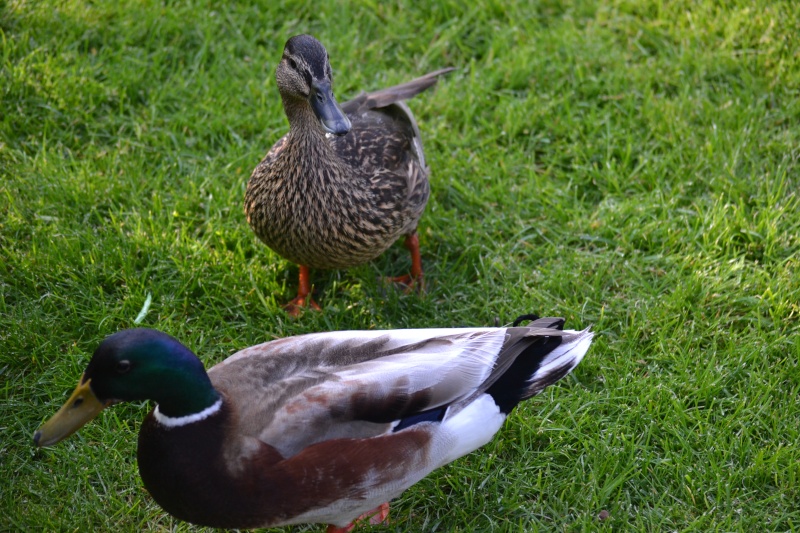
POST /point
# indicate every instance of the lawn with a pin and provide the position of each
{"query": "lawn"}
(629, 165)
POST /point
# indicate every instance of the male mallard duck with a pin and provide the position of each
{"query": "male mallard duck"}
(344, 183)
(315, 428)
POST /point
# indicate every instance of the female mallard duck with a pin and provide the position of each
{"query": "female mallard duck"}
(316, 428)
(344, 183)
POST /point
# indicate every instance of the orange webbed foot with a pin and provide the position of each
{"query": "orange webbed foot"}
(304, 299)
(412, 281)
(408, 283)
(295, 307)
(378, 515)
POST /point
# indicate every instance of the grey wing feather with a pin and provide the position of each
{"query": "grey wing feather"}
(307, 389)
(392, 95)
(322, 387)
(391, 102)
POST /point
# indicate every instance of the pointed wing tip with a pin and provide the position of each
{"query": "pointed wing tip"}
(442, 71)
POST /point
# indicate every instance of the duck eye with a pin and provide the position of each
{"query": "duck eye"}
(123, 366)
(292, 63)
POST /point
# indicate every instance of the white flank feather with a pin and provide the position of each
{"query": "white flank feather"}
(469, 429)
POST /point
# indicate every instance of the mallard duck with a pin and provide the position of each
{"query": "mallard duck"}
(345, 182)
(318, 428)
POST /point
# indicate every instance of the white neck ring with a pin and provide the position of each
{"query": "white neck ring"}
(178, 421)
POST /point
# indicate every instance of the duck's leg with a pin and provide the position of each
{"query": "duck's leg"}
(413, 280)
(304, 298)
(375, 516)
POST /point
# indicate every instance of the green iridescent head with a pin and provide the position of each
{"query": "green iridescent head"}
(135, 364)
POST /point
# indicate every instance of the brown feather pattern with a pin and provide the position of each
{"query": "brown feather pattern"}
(335, 202)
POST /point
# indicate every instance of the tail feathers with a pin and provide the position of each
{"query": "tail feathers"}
(559, 362)
(548, 356)
(391, 95)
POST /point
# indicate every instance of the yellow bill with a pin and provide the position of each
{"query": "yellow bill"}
(81, 407)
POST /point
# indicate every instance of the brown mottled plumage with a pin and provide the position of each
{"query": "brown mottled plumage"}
(316, 428)
(344, 183)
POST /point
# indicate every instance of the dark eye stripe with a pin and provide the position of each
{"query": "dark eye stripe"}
(320, 67)
(307, 76)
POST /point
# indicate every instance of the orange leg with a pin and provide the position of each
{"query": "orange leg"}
(294, 307)
(378, 515)
(413, 280)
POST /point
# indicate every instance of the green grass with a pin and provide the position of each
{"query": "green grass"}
(630, 165)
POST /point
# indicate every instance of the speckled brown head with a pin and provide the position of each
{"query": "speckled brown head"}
(305, 80)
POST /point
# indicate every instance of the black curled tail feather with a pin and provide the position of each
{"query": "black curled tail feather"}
(520, 319)
(536, 322)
